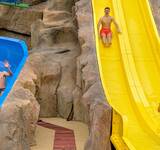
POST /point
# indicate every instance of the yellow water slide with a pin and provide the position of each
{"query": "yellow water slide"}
(130, 74)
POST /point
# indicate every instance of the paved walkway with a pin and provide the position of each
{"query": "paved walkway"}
(51, 135)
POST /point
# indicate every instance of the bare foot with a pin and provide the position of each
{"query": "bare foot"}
(110, 43)
(107, 44)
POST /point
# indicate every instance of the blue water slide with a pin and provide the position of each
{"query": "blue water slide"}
(11, 1)
(16, 53)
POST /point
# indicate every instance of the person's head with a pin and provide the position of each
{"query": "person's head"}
(107, 10)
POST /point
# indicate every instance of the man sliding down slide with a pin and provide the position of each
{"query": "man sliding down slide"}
(3, 76)
(105, 32)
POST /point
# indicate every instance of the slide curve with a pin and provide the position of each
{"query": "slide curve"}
(15, 51)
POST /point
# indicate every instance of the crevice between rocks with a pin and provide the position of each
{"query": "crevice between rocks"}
(14, 32)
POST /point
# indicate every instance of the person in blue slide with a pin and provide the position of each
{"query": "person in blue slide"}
(3, 75)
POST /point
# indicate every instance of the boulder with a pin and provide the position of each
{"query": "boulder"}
(16, 22)
(56, 70)
(56, 28)
(99, 137)
(62, 5)
(49, 74)
(155, 4)
(19, 114)
(19, 20)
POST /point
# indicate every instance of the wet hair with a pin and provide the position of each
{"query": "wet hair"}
(107, 8)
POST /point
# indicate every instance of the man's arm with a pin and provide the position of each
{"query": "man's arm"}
(99, 25)
(117, 26)
(9, 72)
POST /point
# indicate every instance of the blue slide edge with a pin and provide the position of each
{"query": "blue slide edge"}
(18, 69)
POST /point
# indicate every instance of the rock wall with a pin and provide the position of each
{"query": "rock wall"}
(57, 42)
(16, 22)
(64, 74)
(56, 71)
(90, 104)
(155, 4)
(20, 111)
(19, 114)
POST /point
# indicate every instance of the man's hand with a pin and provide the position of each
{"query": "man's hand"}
(6, 64)
(99, 35)
(119, 31)
(98, 27)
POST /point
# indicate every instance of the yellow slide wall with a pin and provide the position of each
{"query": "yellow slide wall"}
(130, 74)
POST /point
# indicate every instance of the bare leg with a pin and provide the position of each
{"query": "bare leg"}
(104, 39)
(109, 39)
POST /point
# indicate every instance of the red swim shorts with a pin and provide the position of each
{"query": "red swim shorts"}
(105, 31)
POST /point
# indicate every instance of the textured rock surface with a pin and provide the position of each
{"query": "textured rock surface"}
(19, 20)
(61, 78)
(56, 37)
(60, 5)
(19, 114)
(48, 79)
(56, 28)
(56, 70)
(79, 83)
(90, 98)
(33, 2)
(16, 22)
(99, 138)
(156, 12)
(11, 34)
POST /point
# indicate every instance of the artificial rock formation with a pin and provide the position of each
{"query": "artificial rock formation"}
(55, 69)
(79, 84)
(156, 12)
(19, 114)
(61, 72)
(19, 20)
(55, 40)
(20, 111)
(90, 97)
(16, 22)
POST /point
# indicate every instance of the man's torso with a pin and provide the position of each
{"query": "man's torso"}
(106, 21)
